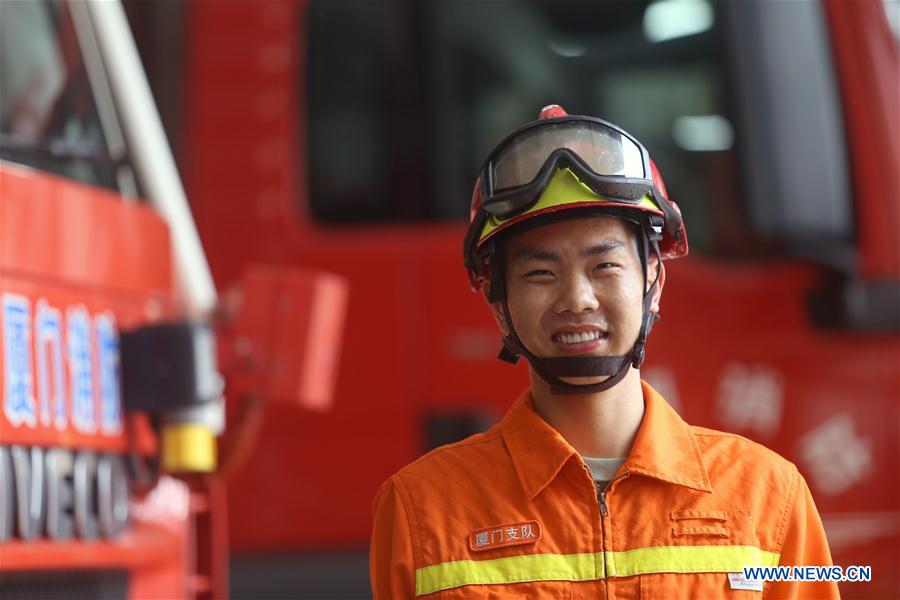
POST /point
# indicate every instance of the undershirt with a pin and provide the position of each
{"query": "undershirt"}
(603, 469)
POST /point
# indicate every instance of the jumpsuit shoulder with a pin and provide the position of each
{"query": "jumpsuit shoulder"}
(725, 452)
(452, 460)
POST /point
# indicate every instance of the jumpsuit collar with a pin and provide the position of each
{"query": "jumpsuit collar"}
(664, 447)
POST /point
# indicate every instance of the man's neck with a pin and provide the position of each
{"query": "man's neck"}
(601, 425)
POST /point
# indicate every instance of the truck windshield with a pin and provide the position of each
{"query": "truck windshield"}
(48, 115)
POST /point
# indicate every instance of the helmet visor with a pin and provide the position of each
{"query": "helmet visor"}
(606, 151)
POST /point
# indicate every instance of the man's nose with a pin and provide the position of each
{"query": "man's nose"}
(577, 295)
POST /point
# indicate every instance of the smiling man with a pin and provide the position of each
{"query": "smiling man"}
(591, 486)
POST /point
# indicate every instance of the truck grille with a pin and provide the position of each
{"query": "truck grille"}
(68, 585)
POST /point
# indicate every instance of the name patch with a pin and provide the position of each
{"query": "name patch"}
(738, 582)
(500, 536)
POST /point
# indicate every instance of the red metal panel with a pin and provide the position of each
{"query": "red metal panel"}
(288, 334)
(143, 546)
(75, 234)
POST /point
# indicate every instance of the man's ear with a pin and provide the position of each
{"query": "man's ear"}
(653, 266)
(496, 309)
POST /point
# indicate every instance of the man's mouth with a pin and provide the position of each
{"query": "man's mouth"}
(579, 337)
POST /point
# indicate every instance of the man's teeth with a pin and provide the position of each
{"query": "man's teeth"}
(577, 338)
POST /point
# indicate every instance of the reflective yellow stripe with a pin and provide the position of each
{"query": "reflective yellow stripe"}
(688, 559)
(515, 569)
(585, 567)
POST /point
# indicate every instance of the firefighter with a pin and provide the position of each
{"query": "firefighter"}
(591, 485)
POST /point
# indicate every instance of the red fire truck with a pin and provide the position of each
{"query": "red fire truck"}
(346, 135)
(109, 371)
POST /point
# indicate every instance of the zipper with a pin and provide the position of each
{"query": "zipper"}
(597, 492)
(601, 494)
(604, 513)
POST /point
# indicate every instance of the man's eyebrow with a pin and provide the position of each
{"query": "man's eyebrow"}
(532, 253)
(603, 247)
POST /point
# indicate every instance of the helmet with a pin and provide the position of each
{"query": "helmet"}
(564, 166)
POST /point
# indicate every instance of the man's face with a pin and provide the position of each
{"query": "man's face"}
(575, 288)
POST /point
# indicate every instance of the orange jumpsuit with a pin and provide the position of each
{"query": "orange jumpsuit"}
(513, 512)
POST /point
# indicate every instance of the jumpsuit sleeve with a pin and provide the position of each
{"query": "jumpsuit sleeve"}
(804, 545)
(391, 562)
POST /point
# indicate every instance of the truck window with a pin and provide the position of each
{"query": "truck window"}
(49, 118)
(406, 97)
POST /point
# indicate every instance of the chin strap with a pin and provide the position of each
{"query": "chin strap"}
(551, 369)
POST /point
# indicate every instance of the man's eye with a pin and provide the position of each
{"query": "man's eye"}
(539, 273)
(603, 266)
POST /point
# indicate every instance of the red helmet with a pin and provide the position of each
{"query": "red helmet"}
(563, 165)
(566, 162)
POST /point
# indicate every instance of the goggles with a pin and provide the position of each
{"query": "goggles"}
(606, 159)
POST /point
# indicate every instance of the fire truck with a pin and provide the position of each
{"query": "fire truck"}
(116, 348)
(346, 136)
